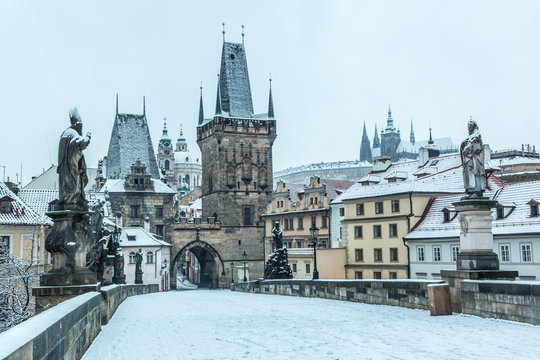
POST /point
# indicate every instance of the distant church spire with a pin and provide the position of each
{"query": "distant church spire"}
(218, 96)
(116, 104)
(223, 31)
(430, 141)
(243, 34)
(412, 133)
(201, 111)
(270, 101)
(144, 105)
(365, 147)
(376, 142)
(389, 120)
(165, 132)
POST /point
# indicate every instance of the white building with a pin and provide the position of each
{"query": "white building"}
(156, 256)
(434, 241)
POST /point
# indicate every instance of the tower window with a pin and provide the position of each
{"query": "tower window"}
(167, 165)
(248, 215)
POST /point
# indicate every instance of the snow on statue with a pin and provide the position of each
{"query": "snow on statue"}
(472, 158)
(71, 165)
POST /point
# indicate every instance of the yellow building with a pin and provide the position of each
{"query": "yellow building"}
(22, 230)
(298, 207)
(382, 209)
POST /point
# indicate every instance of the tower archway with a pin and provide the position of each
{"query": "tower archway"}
(206, 270)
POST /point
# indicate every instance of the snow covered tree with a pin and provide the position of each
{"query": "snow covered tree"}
(17, 276)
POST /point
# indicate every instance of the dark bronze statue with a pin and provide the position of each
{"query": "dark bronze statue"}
(277, 265)
(472, 158)
(72, 176)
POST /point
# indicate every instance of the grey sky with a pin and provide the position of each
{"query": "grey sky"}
(334, 65)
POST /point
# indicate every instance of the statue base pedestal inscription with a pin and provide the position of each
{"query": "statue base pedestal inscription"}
(70, 240)
(476, 237)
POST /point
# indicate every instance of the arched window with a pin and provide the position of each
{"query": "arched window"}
(132, 259)
(166, 164)
(149, 257)
(187, 179)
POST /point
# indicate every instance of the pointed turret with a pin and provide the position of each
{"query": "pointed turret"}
(389, 120)
(270, 102)
(165, 141)
(218, 97)
(181, 143)
(412, 133)
(365, 147)
(430, 141)
(376, 142)
(201, 111)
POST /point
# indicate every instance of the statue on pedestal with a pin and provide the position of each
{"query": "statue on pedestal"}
(472, 158)
(138, 267)
(277, 266)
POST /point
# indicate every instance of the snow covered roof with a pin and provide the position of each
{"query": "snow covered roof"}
(518, 221)
(234, 81)
(19, 213)
(333, 188)
(444, 143)
(516, 160)
(322, 166)
(130, 140)
(48, 180)
(137, 236)
(38, 200)
(118, 186)
(444, 176)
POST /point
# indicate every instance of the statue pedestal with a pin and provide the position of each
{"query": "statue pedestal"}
(49, 296)
(138, 277)
(476, 259)
(476, 238)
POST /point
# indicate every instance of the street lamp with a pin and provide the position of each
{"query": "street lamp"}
(244, 256)
(114, 239)
(314, 237)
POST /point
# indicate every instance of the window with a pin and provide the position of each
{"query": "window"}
(359, 209)
(287, 244)
(446, 216)
(393, 254)
(159, 212)
(324, 221)
(420, 254)
(504, 250)
(314, 220)
(166, 164)
(294, 267)
(393, 275)
(379, 207)
(534, 207)
(4, 243)
(500, 212)
(132, 259)
(395, 205)
(392, 229)
(436, 253)
(149, 257)
(341, 211)
(300, 223)
(526, 253)
(359, 254)
(357, 232)
(286, 224)
(358, 275)
(376, 231)
(377, 254)
(308, 270)
(248, 215)
(134, 211)
(377, 275)
(455, 252)
(298, 243)
(340, 232)
(5, 206)
(323, 244)
(159, 230)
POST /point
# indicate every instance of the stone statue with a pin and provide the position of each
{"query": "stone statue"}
(138, 267)
(472, 158)
(277, 236)
(71, 170)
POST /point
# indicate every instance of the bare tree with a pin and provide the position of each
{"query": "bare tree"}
(17, 277)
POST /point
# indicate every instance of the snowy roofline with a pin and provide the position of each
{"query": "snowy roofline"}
(323, 166)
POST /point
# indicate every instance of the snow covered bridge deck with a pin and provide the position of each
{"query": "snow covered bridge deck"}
(217, 324)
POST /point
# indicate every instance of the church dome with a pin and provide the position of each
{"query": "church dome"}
(185, 157)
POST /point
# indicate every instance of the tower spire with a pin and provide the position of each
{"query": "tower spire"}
(144, 105)
(376, 142)
(430, 141)
(165, 132)
(201, 111)
(223, 31)
(412, 133)
(389, 120)
(270, 101)
(116, 104)
(243, 34)
(218, 97)
(365, 147)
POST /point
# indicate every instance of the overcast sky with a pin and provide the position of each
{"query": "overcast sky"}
(334, 64)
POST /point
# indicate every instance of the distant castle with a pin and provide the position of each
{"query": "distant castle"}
(392, 146)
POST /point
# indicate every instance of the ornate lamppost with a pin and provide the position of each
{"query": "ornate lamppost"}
(114, 237)
(314, 237)
(244, 257)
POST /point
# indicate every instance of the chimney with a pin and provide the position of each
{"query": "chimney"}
(423, 156)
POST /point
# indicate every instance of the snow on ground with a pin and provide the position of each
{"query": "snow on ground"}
(218, 324)
(182, 283)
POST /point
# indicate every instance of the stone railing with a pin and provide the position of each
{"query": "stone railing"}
(66, 330)
(405, 293)
(509, 300)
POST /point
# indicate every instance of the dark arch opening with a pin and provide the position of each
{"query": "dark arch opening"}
(209, 268)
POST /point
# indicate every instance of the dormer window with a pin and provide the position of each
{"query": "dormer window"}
(5, 204)
(500, 212)
(449, 215)
(534, 207)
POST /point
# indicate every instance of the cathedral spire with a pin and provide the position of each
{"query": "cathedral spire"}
(365, 147)
(376, 142)
(144, 105)
(412, 133)
(389, 120)
(201, 111)
(218, 97)
(270, 101)
(116, 104)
